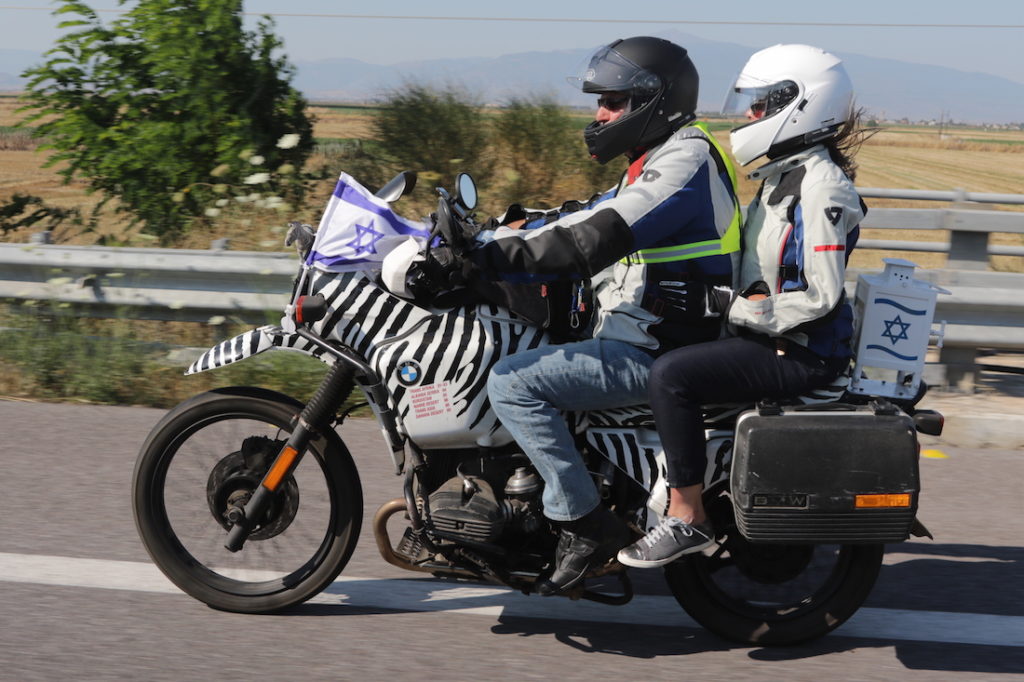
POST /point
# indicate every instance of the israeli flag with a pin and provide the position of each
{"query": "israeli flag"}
(357, 230)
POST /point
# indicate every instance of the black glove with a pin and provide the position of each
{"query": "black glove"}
(719, 298)
(514, 213)
(694, 299)
(758, 287)
(439, 271)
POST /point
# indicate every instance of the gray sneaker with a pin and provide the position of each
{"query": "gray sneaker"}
(666, 542)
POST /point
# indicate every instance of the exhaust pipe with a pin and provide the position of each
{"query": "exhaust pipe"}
(380, 534)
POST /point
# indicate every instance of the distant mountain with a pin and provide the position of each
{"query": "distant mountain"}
(885, 87)
(10, 82)
(12, 63)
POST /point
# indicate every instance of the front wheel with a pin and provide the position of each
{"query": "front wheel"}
(770, 595)
(207, 456)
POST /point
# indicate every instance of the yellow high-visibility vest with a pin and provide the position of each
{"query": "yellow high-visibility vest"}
(728, 243)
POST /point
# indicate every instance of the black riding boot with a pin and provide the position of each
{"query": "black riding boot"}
(584, 544)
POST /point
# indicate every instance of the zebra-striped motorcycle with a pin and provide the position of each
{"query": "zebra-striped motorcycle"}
(249, 500)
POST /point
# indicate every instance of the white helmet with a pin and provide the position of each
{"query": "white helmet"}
(799, 94)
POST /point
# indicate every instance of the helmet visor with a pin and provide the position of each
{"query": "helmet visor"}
(758, 100)
(608, 71)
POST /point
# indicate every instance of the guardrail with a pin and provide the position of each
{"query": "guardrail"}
(984, 311)
(158, 284)
(969, 245)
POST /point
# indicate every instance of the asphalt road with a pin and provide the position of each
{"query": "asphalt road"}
(81, 600)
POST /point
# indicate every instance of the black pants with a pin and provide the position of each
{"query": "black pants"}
(737, 369)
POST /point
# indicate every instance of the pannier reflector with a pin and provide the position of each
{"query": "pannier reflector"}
(882, 501)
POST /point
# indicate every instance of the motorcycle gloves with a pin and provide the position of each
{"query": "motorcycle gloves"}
(437, 272)
(692, 299)
(718, 301)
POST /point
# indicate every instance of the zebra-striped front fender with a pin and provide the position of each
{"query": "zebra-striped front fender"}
(251, 343)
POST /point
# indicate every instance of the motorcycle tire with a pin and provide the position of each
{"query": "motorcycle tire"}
(772, 595)
(218, 445)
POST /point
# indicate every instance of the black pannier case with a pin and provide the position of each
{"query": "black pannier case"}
(836, 473)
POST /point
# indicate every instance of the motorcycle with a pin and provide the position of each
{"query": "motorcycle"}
(250, 501)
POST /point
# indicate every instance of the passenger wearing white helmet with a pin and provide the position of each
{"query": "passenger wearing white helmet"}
(787, 311)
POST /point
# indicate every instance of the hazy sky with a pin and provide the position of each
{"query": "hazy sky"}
(997, 50)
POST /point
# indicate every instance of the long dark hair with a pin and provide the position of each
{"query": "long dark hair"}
(843, 146)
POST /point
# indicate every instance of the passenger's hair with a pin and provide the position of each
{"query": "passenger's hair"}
(843, 146)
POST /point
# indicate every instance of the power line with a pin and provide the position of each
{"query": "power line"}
(553, 20)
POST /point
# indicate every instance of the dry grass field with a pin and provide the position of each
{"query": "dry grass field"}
(904, 157)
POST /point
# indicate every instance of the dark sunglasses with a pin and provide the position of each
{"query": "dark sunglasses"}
(757, 107)
(613, 102)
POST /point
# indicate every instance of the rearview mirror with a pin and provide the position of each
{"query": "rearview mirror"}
(466, 191)
(397, 187)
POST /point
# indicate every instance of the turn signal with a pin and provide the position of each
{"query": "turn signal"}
(310, 309)
(929, 422)
(882, 501)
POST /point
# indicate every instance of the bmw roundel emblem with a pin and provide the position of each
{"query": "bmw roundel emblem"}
(408, 372)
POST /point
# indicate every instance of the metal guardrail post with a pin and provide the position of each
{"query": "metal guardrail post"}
(961, 365)
(968, 250)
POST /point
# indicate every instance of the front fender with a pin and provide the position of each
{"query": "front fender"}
(253, 342)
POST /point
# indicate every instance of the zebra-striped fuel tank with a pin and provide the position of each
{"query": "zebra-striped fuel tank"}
(434, 363)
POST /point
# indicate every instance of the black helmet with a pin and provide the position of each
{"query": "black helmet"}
(662, 85)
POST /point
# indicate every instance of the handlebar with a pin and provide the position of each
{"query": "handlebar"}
(446, 225)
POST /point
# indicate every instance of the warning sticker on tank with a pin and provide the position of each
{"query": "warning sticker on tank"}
(430, 401)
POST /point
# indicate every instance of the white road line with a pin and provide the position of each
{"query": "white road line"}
(439, 596)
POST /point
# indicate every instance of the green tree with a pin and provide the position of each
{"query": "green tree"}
(168, 107)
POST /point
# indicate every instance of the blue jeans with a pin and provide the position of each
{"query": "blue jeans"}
(530, 391)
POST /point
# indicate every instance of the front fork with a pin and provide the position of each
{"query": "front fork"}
(315, 417)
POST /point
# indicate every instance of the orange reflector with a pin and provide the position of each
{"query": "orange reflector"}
(280, 468)
(883, 501)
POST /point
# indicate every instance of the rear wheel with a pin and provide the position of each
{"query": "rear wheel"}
(209, 454)
(766, 594)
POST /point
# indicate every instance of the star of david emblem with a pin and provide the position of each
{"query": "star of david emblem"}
(365, 240)
(901, 334)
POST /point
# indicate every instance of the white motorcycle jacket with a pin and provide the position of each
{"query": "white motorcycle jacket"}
(673, 218)
(798, 234)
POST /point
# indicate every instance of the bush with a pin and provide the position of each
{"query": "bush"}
(540, 147)
(48, 353)
(437, 134)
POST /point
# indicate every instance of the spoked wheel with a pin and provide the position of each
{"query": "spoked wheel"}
(766, 594)
(204, 459)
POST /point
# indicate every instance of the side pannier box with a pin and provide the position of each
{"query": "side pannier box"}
(825, 474)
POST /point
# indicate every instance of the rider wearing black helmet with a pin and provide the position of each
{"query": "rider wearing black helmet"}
(660, 83)
(653, 247)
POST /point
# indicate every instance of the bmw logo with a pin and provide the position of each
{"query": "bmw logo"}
(408, 372)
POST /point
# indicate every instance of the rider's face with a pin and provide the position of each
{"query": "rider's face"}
(611, 107)
(756, 110)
